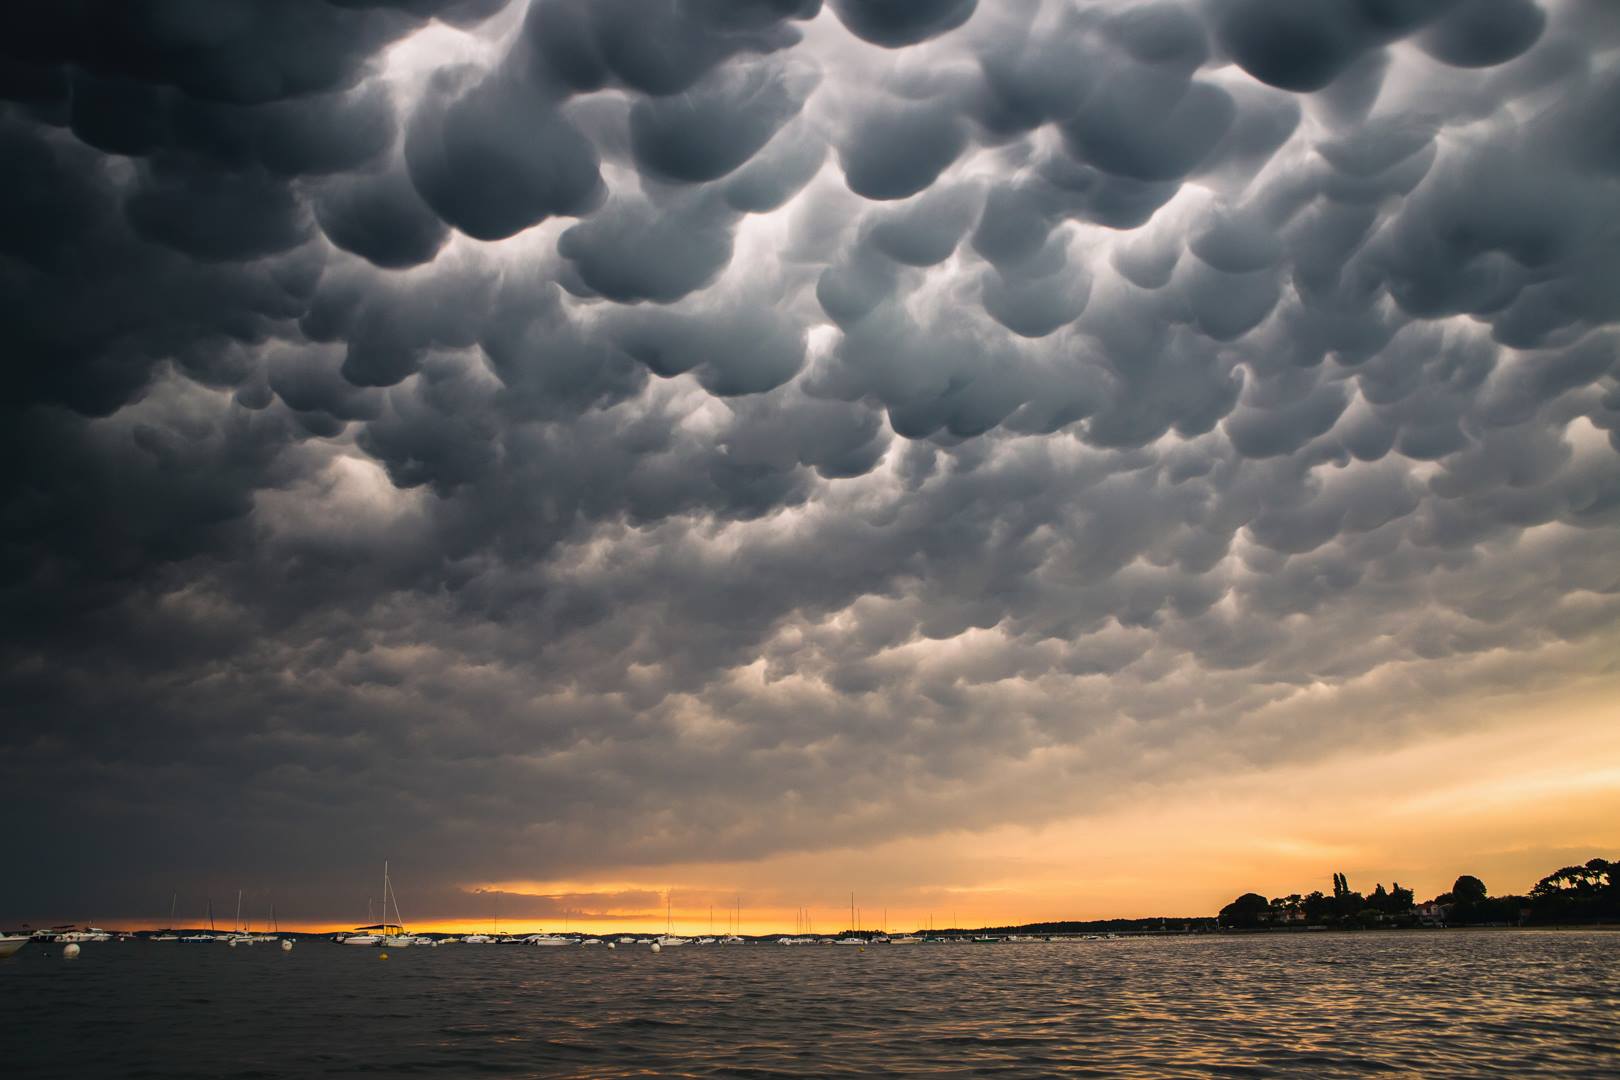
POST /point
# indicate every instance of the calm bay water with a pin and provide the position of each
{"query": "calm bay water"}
(1440, 1004)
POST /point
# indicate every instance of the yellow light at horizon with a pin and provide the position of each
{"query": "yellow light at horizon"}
(1509, 803)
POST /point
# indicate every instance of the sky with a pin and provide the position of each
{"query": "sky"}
(618, 459)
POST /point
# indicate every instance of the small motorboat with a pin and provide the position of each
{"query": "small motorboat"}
(10, 943)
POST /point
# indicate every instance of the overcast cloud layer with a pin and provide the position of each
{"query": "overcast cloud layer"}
(538, 439)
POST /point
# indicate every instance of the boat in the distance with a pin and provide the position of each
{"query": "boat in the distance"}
(200, 937)
(10, 943)
(239, 932)
(168, 934)
(385, 933)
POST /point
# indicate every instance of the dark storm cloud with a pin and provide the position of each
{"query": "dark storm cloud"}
(637, 248)
(719, 124)
(581, 436)
(381, 218)
(893, 23)
(898, 149)
(494, 157)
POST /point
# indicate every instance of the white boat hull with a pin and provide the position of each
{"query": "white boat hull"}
(9, 945)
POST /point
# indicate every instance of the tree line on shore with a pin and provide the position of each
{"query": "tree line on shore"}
(1589, 892)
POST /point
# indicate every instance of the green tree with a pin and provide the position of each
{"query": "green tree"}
(1468, 889)
(1346, 904)
(1393, 901)
(1588, 880)
(1578, 893)
(1245, 911)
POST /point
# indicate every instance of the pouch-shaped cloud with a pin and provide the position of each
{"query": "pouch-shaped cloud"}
(494, 158)
(711, 129)
(894, 23)
(786, 424)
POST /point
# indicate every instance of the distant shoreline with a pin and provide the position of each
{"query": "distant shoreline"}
(1017, 934)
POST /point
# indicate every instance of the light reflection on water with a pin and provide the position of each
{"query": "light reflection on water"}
(1439, 1004)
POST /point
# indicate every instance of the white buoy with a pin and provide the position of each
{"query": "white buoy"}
(655, 947)
(231, 943)
(612, 946)
(286, 945)
(70, 951)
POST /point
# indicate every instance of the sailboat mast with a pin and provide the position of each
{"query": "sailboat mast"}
(237, 925)
(399, 920)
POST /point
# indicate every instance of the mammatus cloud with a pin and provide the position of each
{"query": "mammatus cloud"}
(577, 435)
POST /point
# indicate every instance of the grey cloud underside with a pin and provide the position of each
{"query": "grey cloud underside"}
(725, 427)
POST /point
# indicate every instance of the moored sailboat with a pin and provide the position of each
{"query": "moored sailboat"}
(168, 933)
(386, 933)
(668, 938)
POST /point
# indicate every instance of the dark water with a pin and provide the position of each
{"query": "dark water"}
(1454, 1003)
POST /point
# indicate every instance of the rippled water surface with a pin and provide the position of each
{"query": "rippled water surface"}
(1452, 1003)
